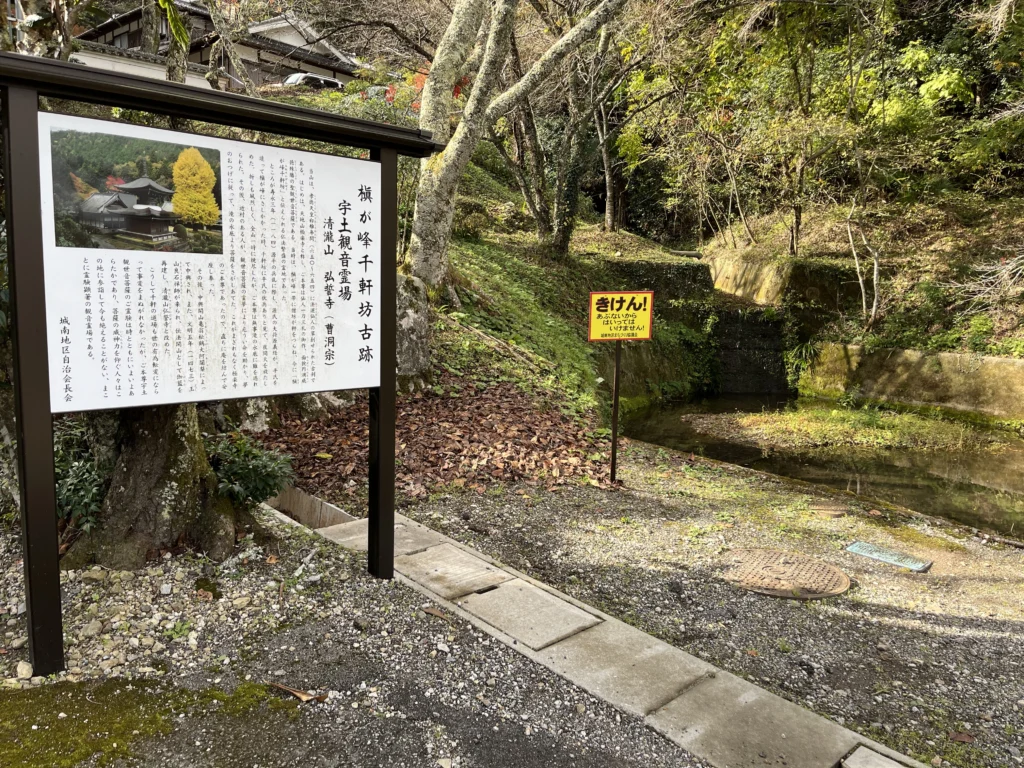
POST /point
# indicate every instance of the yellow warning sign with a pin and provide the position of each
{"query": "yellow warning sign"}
(621, 315)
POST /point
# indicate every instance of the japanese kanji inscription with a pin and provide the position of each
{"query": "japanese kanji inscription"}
(620, 316)
(242, 271)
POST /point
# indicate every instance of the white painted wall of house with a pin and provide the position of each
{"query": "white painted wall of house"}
(128, 66)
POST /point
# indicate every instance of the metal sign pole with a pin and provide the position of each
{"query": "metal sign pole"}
(31, 380)
(615, 409)
(381, 524)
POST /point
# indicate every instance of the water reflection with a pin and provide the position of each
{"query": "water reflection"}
(979, 488)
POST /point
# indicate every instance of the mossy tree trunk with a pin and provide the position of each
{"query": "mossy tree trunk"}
(163, 492)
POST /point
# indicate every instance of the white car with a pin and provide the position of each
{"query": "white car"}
(308, 80)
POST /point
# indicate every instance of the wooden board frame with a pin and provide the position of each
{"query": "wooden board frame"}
(23, 80)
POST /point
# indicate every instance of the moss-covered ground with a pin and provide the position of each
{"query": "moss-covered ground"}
(828, 425)
(513, 290)
(66, 724)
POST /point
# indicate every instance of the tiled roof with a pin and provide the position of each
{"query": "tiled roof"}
(144, 182)
(98, 202)
(131, 53)
(262, 43)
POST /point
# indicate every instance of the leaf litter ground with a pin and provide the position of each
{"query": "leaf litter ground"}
(473, 436)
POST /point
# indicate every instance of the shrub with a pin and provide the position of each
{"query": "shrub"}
(81, 484)
(247, 473)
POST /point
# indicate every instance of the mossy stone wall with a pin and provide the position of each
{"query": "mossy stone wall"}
(993, 386)
(669, 278)
(775, 280)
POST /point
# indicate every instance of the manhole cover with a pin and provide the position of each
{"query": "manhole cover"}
(785, 574)
(828, 509)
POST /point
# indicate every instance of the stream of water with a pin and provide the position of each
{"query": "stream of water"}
(980, 488)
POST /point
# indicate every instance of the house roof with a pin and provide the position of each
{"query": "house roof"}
(131, 53)
(98, 202)
(261, 43)
(305, 30)
(144, 182)
(339, 62)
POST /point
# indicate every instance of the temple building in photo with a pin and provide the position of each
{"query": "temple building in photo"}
(141, 208)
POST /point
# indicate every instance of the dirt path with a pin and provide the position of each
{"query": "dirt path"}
(170, 665)
(929, 664)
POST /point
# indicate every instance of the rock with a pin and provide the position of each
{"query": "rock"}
(93, 628)
(241, 602)
(24, 671)
(443, 648)
(581, 707)
(936, 761)
(165, 589)
(94, 575)
(444, 762)
(413, 315)
(20, 643)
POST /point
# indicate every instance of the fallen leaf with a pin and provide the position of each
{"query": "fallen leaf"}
(272, 559)
(752, 652)
(324, 456)
(436, 612)
(302, 696)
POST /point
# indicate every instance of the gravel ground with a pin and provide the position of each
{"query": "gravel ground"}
(929, 664)
(403, 687)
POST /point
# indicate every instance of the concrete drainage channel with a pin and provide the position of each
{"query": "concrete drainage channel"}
(717, 716)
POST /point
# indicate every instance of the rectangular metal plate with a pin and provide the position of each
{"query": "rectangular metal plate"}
(890, 556)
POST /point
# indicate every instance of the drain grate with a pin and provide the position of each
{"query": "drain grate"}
(791, 575)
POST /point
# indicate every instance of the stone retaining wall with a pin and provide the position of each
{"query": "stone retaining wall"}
(993, 386)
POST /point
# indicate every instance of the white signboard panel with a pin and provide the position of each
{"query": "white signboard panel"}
(182, 268)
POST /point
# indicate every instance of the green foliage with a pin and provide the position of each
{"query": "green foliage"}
(175, 22)
(81, 484)
(247, 473)
(204, 241)
(94, 156)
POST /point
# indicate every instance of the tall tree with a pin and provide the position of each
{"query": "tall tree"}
(194, 181)
(439, 175)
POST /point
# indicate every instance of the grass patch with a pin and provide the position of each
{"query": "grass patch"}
(822, 426)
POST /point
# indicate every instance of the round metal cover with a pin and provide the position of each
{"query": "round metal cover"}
(785, 574)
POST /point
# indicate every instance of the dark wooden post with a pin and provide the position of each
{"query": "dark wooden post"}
(381, 534)
(31, 380)
(615, 409)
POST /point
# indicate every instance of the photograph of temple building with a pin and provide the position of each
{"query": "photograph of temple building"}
(140, 207)
(126, 193)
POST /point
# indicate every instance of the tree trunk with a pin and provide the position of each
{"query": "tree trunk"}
(150, 27)
(45, 29)
(177, 62)
(567, 188)
(610, 218)
(163, 492)
(439, 176)
(227, 45)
